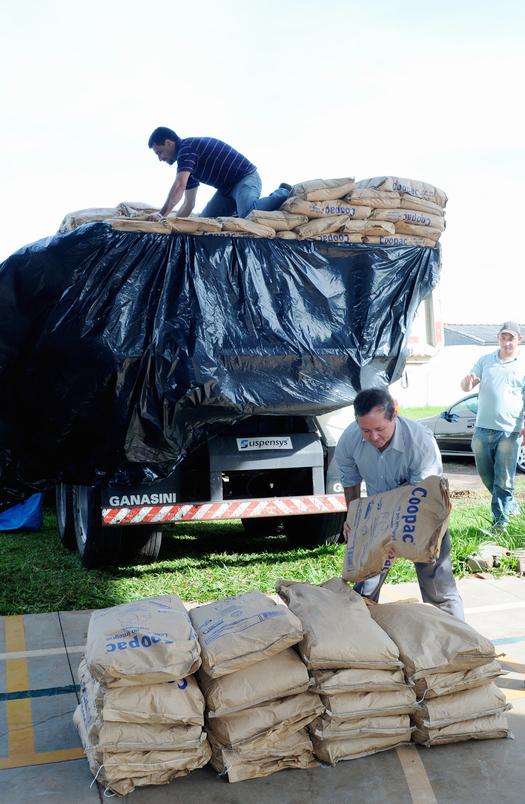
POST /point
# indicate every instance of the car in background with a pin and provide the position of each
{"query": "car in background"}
(453, 429)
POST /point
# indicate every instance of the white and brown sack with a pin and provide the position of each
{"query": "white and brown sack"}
(246, 762)
(336, 749)
(143, 642)
(278, 220)
(323, 189)
(338, 629)
(413, 187)
(123, 771)
(460, 706)
(325, 728)
(268, 723)
(409, 521)
(321, 209)
(236, 632)
(333, 682)
(431, 640)
(433, 685)
(489, 727)
(356, 705)
(276, 677)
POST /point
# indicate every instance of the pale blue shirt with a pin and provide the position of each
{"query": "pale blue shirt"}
(412, 455)
(500, 403)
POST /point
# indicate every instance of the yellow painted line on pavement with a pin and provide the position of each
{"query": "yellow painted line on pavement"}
(19, 716)
(41, 758)
(20, 734)
(421, 791)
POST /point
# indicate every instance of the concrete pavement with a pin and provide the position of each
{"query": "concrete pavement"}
(40, 754)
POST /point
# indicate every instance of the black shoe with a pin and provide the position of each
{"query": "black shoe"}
(285, 186)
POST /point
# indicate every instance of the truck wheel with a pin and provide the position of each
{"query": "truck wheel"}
(314, 529)
(64, 511)
(141, 543)
(96, 545)
(262, 526)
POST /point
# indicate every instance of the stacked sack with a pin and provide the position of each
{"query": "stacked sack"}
(141, 712)
(256, 686)
(452, 668)
(415, 208)
(385, 210)
(356, 670)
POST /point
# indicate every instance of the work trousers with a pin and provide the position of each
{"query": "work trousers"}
(436, 582)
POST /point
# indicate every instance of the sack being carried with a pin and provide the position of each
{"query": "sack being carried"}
(409, 521)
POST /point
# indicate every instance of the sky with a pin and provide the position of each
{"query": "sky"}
(429, 91)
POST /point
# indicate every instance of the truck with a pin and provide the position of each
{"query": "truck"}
(174, 378)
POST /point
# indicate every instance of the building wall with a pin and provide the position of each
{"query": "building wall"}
(436, 381)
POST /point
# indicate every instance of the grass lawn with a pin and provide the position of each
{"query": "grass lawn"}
(198, 562)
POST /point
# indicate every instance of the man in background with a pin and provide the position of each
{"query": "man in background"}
(499, 421)
(213, 162)
(387, 451)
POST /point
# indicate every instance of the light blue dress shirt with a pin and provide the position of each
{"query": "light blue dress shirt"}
(412, 455)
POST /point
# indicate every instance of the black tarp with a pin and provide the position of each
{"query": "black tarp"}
(120, 347)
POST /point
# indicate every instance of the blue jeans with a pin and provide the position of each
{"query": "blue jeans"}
(273, 201)
(496, 455)
(436, 582)
(240, 201)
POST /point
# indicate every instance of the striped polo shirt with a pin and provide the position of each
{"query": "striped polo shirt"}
(212, 162)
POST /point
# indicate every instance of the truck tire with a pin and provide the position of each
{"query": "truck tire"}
(262, 526)
(64, 512)
(314, 529)
(97, 546)
(141, 543)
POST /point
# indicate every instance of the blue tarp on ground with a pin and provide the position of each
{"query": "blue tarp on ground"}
(26, 515)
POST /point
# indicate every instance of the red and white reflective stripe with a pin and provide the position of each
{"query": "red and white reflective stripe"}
(233, 509)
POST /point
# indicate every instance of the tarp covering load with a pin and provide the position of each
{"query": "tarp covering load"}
(120, 347)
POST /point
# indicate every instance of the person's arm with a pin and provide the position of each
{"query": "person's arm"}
(188, 204)
(351, 493)
(469, 382)
(473, 378)
(174, 196)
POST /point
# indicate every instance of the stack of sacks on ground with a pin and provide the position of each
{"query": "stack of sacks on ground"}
(385, 210)
(355, 668)
(452, 668)
(256, 686)
(141, 712)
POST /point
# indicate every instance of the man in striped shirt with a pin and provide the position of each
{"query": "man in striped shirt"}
(211, 161)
